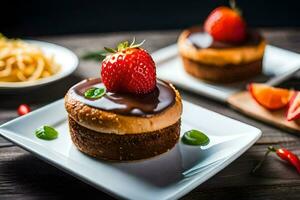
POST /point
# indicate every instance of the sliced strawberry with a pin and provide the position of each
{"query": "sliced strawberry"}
(293, 112)
(270, 97)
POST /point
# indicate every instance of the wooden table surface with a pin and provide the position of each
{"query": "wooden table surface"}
(23, 176)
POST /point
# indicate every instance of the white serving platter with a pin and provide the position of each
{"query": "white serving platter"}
(63, 56)
(276, 62)
(168, 176)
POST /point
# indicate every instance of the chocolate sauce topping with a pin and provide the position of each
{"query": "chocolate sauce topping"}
(200, 39)
(158, 100)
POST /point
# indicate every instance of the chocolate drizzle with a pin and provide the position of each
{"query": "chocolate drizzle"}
(127, 104)
(200, 39)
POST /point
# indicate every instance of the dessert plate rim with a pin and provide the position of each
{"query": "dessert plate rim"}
(54, 113)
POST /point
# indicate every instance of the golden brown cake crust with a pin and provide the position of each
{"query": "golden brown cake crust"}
(109, 122)
(226, 74)
(220, 57)
(124, 147)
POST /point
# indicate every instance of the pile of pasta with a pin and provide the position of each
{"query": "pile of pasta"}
(21, 61)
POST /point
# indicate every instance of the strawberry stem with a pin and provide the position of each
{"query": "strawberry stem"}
(136, 45)
(101, 55)
(133, 41)
(233, 5)
(124, 45)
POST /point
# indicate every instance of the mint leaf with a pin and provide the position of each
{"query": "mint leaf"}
(94, 93)
(46, 133)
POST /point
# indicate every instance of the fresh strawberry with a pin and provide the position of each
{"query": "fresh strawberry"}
(129, 69)
(293, 112)
(226, 25)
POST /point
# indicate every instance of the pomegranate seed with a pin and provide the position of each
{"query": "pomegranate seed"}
(23, 109)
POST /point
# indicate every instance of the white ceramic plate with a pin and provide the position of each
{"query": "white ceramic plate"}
(276, 62)
(63, 56)
(168, 176)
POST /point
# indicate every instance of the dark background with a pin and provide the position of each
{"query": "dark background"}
(53, 17)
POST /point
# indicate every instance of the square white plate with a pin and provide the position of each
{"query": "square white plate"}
(169, 67)
(168, 176)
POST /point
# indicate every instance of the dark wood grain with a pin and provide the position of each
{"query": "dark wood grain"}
(23, 176)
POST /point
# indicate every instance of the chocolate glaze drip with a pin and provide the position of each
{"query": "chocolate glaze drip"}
(200, 39)
(155, 102)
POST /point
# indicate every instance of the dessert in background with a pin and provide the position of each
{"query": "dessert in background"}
(127, 114)
(224, 50)
(21, 61)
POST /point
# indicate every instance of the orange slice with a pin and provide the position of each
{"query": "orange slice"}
(270, 97)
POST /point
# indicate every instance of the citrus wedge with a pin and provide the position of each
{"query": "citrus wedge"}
(270, 97)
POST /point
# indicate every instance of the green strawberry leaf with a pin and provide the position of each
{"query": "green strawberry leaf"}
(101, 55)
(96, 55)
(110, 50)
(123, 45)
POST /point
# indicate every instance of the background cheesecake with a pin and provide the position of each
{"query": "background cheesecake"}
(224, 50)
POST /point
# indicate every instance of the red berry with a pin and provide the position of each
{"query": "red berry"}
(293, 112)
(130, 70)
(226, 25)
(23, 109)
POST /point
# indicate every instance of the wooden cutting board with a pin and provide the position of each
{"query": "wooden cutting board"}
(244, 103)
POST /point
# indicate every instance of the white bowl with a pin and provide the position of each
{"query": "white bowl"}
(63, 56)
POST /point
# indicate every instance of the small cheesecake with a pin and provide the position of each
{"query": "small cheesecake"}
(123, 126)
(222, 62)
